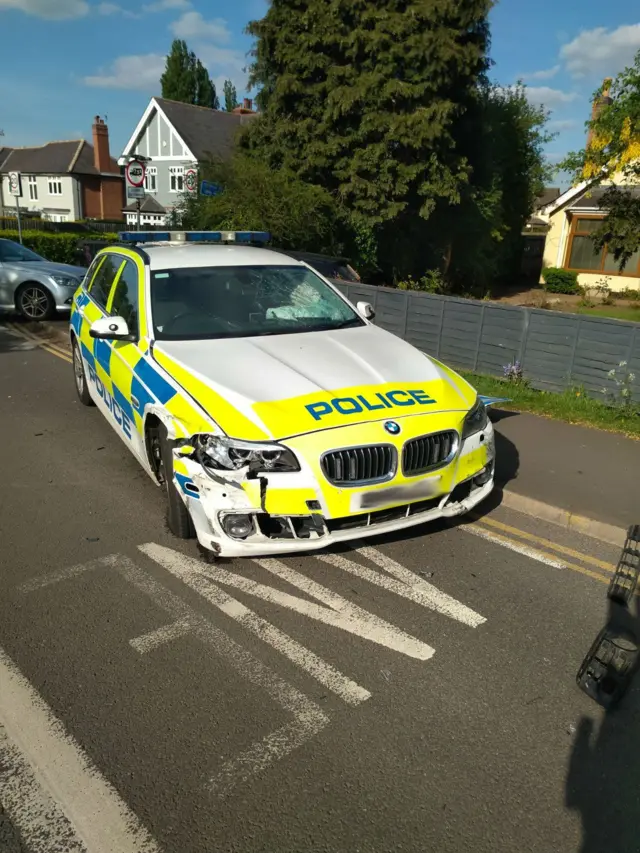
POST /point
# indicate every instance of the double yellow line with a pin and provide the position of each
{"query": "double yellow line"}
(540, 549)
(49, 346)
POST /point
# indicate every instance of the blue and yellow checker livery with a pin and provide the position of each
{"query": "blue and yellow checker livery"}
(327, 402)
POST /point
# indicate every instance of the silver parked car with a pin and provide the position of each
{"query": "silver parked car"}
(35, 287)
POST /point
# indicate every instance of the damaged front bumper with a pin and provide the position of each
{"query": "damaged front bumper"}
(242, 514)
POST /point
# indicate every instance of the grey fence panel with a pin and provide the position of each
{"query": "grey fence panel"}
(501, 339)
(549, 349)
(557, 351)
(460, 331)
(424, 322)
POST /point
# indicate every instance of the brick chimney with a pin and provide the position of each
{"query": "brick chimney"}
(101, 156)
(246, 108)
(603, 100)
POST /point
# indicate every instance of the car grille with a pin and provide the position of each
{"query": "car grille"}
(371, 463)
(428, 452)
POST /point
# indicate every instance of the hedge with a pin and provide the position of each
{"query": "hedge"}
(558, 280)
(59, 248)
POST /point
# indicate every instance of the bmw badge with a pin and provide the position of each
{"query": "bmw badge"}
(392, 428)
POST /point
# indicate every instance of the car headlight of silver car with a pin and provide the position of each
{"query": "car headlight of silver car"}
(65, 280)
(476, 419)
(230, 454)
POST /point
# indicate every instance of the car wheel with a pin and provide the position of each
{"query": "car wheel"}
(35, 302)
(178, 517)
(80, 377)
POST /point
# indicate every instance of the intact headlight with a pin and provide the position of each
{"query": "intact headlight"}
(230, 454)
(65, 281)
(476, 419)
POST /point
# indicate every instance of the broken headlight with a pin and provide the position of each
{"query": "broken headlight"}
(230, 454)
(476, 420)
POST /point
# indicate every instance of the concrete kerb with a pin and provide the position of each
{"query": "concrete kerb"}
(563, 518)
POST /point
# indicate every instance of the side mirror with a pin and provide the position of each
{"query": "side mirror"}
(111, 329)
(366, 310)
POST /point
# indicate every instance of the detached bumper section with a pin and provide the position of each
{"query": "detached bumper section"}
(339, 494)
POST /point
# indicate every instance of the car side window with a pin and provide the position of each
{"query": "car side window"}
(91, 271)
(101, 285)
(125, 297)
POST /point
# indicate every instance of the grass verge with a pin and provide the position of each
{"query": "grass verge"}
(617, 312)
(572, 406)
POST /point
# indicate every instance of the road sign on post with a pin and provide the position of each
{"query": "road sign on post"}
(135, 172)
(209, 188)
(191, 180)
(15, 189)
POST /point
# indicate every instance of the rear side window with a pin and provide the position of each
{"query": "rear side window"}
(101, 284)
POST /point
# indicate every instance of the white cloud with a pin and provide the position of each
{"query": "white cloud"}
(193, 25)
(166, 5)
(601, 51)
(114, 9)
(548, 97)
(52, 9)
(131, 72)
(545, 74)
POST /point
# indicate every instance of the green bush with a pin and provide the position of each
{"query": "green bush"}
(58, 248)
(431, 282)
(557, 280)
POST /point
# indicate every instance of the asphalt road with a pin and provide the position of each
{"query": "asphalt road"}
(415, 694)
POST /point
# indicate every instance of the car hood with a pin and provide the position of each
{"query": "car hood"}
(49, 268)
(285, 385)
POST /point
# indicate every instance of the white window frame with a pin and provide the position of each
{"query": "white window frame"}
(151, 179)
(54, 185)
(176, 179)
(32, 183)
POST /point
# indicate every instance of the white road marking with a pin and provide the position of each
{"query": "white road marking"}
(166, 634)
(339, 613)
(525, 550)
(190, 572)
(309, 719)
(64, 574)
(405, 583)
(51, 791)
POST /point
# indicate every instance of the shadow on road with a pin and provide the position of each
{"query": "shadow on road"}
(13, 343)
(603, 780)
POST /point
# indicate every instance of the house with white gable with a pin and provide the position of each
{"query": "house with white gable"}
(176, 137)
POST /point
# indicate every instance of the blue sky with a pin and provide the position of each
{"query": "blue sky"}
(64, 61)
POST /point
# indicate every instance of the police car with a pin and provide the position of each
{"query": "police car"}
(273, 413)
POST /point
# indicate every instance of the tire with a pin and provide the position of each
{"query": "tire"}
(34, 302)
(178, 517)
(82, 388)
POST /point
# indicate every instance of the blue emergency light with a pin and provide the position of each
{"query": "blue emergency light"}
(225, 237)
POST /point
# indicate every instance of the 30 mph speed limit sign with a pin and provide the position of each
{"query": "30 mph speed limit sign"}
(135, 172)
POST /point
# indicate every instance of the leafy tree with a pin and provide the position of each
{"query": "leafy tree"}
(186, 79)
(230, 96)
(614, 150)
(503, 136)
(253, 197)
(364, 98)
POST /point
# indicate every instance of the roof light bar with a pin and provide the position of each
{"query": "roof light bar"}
(194, 237)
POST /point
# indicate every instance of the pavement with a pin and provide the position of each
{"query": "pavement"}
(414, 693)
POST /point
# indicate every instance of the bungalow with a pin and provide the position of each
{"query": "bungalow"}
(176, 137)
(571, 218)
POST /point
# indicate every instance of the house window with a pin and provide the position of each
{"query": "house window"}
(151, 179)
(582, 256)
(33, 187)
(55, 186)
(176, 179)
